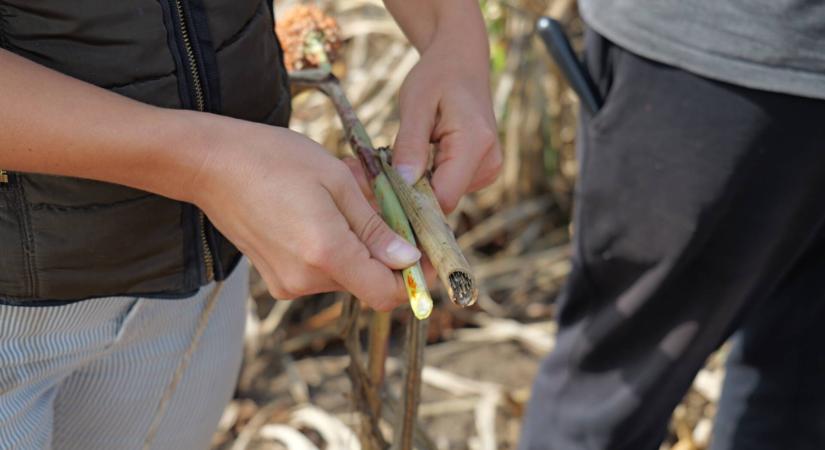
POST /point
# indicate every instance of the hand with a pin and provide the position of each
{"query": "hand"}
(445, 100)
(298, 214)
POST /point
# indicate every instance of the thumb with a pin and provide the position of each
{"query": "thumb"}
(412, 144)
(383, 243)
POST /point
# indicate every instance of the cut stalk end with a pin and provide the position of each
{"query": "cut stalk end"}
(462, 288)
(435, 236)
(422, 305)
(420, 301)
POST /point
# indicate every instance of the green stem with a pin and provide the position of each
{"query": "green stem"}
(391, 209)
(357, 136)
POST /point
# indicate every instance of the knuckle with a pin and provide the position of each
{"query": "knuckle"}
(339, 175)
(496, 157)
(384, 306)
(276, 290)
(279, 292)
(449, 204)
(382, 303)
(293, 288)
(373, 228)
(486, 136)
(489, 179)
(484, 182)
(406, 146)
(495, 166)
(302, 283)
(319, 254)
(385, 293)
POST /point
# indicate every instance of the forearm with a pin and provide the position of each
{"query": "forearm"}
(281, 198)
(58, 125)
(428, 22)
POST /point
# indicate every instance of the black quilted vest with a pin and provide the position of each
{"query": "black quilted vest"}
(65, 239)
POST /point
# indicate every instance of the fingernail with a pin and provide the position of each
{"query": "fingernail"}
(402, 253)
(407, 173)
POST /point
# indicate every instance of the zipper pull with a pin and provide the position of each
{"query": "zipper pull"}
(4, 177)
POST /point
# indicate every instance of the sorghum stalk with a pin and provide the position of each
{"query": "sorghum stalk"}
(391, 209)
(416, 341)
(434, 234)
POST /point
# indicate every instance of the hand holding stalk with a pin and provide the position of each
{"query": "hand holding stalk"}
(405, 208)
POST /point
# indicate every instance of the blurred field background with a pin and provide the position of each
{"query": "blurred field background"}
(293, 392)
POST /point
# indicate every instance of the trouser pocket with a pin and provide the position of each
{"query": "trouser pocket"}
(47, 342)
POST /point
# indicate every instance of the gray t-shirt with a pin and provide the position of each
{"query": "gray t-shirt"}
(774, 45)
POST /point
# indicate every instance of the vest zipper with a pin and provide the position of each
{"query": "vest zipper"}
(208, 262)
(197, 87)
(190, 57)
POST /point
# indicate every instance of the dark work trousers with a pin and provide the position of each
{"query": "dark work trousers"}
(700, 213)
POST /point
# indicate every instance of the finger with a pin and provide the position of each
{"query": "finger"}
(268, 276)
(384, 300)
(456, 165)
(342, 257)
(274, 284)
(350, 263)
(383, 243)
(374, 284)
(488, 170)
(337, 252)
(411, 151)
(361, 177)
(309, 281)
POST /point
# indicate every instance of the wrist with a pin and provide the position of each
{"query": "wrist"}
(461, 51)
(207, 146)
(218, 152)
(432, 24)
(181, 149)
(460, 28)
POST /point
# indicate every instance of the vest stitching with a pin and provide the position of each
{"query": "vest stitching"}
(238, 34)
(88, 207)
(26, 240)
(32, 244)
(285, 100)
(140, 81)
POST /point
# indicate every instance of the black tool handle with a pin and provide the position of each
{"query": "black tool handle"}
(558, 45)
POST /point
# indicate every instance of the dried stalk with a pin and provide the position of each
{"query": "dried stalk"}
(418, 202)
(378, 350)
(436, 237)
(391, 208)
(392, 408)
(416, 341)
(364, 396)
(392, 212)
(367, 385)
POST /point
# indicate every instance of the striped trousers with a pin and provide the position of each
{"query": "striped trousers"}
(107, 373)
